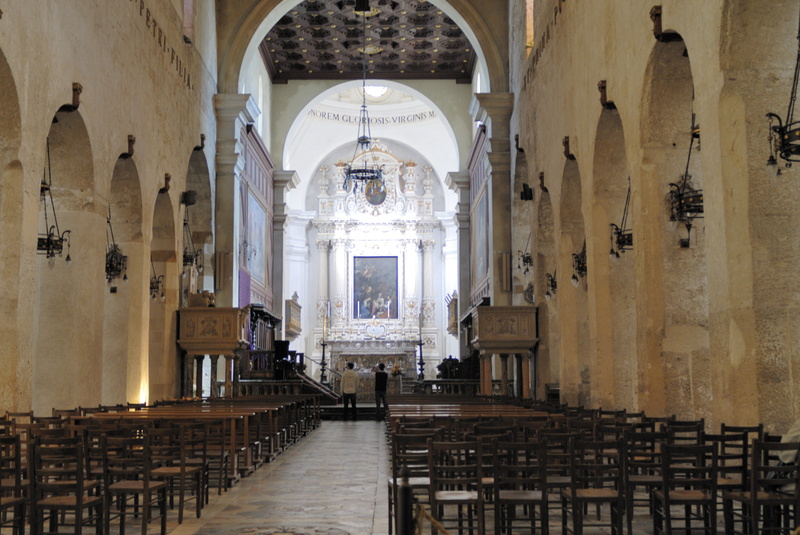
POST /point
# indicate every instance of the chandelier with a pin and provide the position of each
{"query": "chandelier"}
(369, 171)
(116, 262)
(156, 284)
(51, 242)
(622, 237)
(686, 203)
(785, 136)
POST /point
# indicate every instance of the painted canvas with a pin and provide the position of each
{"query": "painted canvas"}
(480, 239)
(256, 233)
(375, 287)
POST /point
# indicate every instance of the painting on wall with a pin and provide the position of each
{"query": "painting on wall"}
(480, 239)
(257, 241)
(375, 287)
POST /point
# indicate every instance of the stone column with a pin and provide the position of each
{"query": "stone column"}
(284, 181)
(323, 246)
(428, 301)
(525, 363)
(198, 376)
(412, 291)
(486, 374)
(340, 312)
(504, 374)
(459, 183)
(213, 382)
(229, 376)
(233, 112)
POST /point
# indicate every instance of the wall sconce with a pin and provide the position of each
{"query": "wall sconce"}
(191, 255)
(156, 284)
(686, 203)
(551, 285)
(622, 237)
(579, 265)
(525, 258)
(116, 262)
(785, 136)
(51, 242)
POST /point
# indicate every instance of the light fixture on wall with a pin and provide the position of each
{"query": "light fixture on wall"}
(524, 258)
(369, 172)
(622, 237)
(785, 136)
(191, 255)
(156, 284)
(686, 202)
(579, 265)
(551, 285)
(51, 241)
(116, 262)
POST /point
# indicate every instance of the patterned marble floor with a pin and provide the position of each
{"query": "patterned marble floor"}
(332, 482)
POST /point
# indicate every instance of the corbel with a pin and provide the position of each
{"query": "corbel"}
(607, 104)
(202, 144)
(77, 89)
(567, 154)
(167, 178)
(131, 143)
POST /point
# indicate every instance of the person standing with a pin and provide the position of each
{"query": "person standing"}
(349, 388)
(381, 384)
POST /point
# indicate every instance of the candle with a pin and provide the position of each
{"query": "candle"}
(358, 309)
(389, 309)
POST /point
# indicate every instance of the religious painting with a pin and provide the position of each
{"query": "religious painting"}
(375, 287)
(480, 238)
(257, 240)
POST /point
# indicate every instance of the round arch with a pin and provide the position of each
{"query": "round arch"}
(265, 13)
(447, 158)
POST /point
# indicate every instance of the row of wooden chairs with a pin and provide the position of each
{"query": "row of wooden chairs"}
(648, 460)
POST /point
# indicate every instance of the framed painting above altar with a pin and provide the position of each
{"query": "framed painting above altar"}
(375, 287)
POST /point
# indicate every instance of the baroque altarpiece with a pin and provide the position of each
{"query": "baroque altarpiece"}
(376, 245)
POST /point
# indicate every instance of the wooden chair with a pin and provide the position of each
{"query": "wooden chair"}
(410, 453)
(127, 466)
(520, 481)
(732, 460)
(642, 470)
(196, 442)
(596, 476)
(12, 499)
(558, 462)
(771, 504)
(686, 431)
(169, 448)
(689, 485)
(59, 487)
(456, 490)
(218, 455)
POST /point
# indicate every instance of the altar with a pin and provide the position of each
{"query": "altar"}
(398, 356)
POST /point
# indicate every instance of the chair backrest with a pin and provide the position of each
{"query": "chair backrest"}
(127, 458)
(455, 466)
(557, 451)
(733, 460)
(11, 469)
(774, 468)
(689, 467)
(643, 452)
(410, 450)
(520, 466)
(56, 467)
(686, 431)
(596, 464)
(753, 432)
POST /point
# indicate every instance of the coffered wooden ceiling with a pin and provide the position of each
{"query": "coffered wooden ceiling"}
(323, 39)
